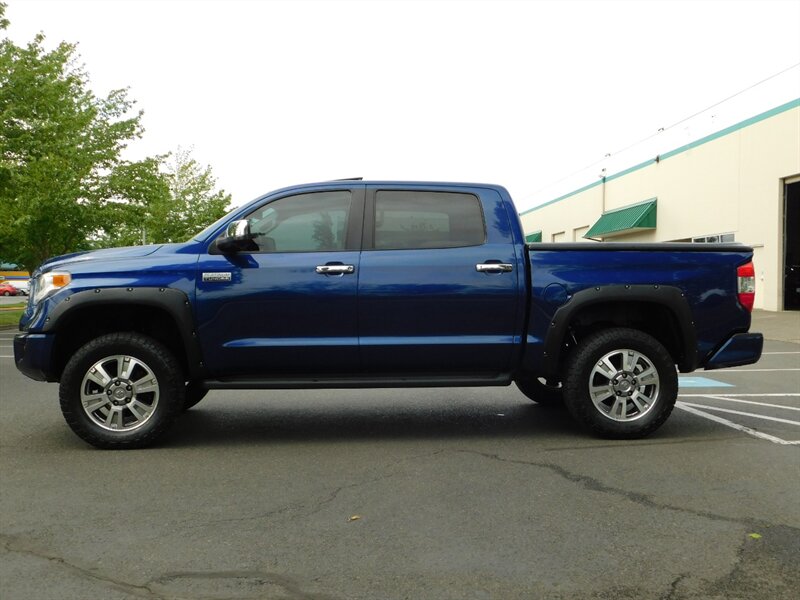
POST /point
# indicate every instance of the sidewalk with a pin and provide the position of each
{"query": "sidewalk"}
(783, 326)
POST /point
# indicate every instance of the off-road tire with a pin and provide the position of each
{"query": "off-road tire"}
(584, 369)
(164, 386)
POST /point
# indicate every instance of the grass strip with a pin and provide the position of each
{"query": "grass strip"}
(9, 315)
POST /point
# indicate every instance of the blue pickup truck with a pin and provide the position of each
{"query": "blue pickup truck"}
(353, 284)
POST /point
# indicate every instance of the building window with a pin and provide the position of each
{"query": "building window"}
(579, 234)
(714, 239)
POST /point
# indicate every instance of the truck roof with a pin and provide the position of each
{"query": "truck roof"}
(388, 182)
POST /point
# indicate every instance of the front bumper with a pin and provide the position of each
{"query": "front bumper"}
(740, 349)
(33, 353)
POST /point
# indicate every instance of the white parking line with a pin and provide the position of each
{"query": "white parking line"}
(736, 370)
(743, 395)
(744, 414)
(780, 353)
(732, 425)
(726, 399)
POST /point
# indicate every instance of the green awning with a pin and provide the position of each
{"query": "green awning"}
(636, 217)
(536, 236)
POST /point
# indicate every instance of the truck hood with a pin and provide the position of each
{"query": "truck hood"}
(107, 254)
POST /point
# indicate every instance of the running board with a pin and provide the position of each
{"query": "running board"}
(372, 381)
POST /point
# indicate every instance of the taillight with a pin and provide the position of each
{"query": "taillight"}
(746, 275)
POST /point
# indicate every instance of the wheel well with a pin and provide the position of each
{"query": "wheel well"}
(87, 323)
(651, 318)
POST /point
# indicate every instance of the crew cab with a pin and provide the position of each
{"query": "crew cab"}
(352, 284)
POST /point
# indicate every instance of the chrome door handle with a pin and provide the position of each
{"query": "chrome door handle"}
(335, 269)
(494, 268)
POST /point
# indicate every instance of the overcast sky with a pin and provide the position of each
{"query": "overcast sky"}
(518, 93)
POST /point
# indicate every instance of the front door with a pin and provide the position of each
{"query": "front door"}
(288, 307)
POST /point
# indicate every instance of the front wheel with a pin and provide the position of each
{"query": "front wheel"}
(121, 390)
(620, 383)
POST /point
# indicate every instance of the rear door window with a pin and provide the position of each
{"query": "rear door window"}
(422, 219)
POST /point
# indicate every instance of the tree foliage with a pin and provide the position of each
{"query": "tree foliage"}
(133, 190)
(161, 199)
(64, 185)
(192, 204)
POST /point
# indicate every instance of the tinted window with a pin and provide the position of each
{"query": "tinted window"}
(406, 220)
(305, 223)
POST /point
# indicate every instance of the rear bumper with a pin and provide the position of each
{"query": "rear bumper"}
(33, 355)
(740, 349)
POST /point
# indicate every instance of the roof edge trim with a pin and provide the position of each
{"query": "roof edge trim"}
(713, 136)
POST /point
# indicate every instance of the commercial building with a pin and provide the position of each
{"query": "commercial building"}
(739, 184)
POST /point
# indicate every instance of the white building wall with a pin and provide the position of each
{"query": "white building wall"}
(731, 183)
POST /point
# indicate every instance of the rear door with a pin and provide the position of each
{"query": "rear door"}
(439, 287)
(289, 306)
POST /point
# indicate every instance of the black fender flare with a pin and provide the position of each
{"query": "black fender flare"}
(670, 297)
(174, 302)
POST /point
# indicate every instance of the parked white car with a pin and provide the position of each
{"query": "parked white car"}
(22, 285)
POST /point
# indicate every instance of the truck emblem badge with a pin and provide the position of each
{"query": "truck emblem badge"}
(216, 276)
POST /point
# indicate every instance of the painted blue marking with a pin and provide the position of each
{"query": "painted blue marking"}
(701, 382)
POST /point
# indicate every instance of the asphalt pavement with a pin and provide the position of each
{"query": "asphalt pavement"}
(9, 300)
(411, 494)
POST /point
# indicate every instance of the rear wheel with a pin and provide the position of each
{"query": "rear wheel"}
(620, 383)
(546, 392)
(121, 390)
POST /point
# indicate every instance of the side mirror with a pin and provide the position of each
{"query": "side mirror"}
(237, 237)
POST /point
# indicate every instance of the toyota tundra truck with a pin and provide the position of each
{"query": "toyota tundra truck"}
(355, 284)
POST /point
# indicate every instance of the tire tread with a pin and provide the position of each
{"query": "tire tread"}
(170, 398)
(582, 408)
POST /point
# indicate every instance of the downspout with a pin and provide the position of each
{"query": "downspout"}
(603, 201)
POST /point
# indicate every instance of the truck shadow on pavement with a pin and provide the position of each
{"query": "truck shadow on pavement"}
(221, 423)
(267, 423)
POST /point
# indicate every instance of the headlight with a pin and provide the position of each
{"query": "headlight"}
(47, 283)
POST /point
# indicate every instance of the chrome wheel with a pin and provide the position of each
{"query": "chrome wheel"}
(624, 385)
(119, 393)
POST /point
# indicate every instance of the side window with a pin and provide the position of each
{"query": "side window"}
(315, 222)
(407, 220)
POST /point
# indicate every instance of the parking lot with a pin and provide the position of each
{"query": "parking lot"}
(417, 494)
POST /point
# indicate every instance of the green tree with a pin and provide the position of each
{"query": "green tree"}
(136, 193)
(162, 199)
(193, 202)
(62, 178)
